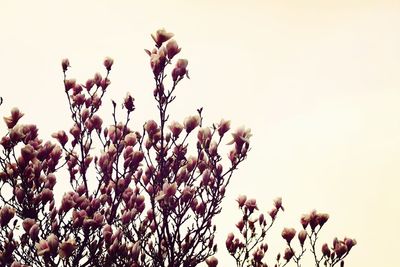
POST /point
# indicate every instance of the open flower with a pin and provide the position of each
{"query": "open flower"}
(251, 204)
(161, 36)
(191, 122)
(12, 120)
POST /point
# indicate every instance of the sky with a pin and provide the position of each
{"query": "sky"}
(317, 82)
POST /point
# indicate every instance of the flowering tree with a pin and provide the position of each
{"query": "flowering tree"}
(145, 198)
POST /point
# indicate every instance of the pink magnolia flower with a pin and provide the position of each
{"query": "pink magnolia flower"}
(65, 64)
(12, 120)
(191, 122)
(161, 36)
(241, 200)
(108, 62)
(223, 127)
(42, 248)
(302, 237)
(172, 49)
(67, 248)
(288, 254)
(288, 234)
(6, 214)
(251, 204)
(212, 261)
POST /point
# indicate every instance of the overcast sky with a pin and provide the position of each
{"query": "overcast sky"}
(317, 82)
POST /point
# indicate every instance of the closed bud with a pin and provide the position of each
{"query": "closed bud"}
(65, 64)
(302, 237)
(6, 214)
(212, 261)
(325, 250)
(129, 103)
(322, 218)
(108, 62)
(305, 220)
(46, 195)
(27, 224)
(288, 234)
(34, 232)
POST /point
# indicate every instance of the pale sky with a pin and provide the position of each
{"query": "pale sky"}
(317, 82)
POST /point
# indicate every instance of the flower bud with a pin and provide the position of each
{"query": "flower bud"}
(97, 122)
(151, 127)
(322, 218)
(34, 231)
(288, 234)
(305, 220)
(212, 261)
(349, 242)
(325, 250)
(130, 139)
(27, 224)
(108, 62)
(258, 255)
(302, 237)
(65, 64)
(46, 195)
(129, 102)
(6, 214)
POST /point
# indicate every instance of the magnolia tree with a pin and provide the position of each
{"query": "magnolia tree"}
(147, 197)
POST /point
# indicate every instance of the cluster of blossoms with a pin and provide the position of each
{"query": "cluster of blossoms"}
(142, 201)
(250, 248)
(145, 198)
